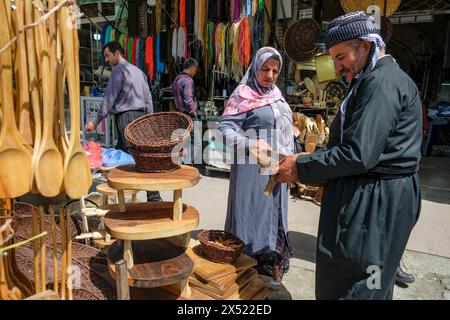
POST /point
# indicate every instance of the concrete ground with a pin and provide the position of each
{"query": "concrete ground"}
(428, 251)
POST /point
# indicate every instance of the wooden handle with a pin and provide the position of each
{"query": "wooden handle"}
(270, 185)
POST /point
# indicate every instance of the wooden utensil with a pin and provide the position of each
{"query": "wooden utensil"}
(62, 226)
(55, 249)
(48, 164)
(77, 175)
(33, 87)
(23, 107)
(69, 256)
(15, 159)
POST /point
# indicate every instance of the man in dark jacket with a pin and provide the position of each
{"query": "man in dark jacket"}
(371, 200)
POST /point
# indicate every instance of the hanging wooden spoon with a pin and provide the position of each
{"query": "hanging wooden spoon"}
(24, 108)
(77, 174)
(15, 159)
(33, 87)
(48, 164)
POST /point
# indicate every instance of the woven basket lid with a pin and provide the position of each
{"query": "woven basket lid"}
(362, 5)
(300, 38)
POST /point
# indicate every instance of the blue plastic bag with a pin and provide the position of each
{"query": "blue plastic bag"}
(115, 157)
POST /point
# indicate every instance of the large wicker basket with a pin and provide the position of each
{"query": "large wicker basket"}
(215, 247)
(158, 132)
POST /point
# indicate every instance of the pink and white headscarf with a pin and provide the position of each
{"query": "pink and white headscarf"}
(250, 94)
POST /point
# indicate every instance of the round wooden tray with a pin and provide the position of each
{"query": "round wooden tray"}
(127, 178)
(157, 263)
(149, 220)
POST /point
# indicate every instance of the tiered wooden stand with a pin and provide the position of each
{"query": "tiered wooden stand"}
(145, 257)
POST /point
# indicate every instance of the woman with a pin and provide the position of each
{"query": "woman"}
(257, 119)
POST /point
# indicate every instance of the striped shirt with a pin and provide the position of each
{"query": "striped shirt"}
(184, 93)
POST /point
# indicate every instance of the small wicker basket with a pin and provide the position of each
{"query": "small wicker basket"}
(215, 247)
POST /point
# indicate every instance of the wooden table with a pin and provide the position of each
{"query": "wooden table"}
(150, 221)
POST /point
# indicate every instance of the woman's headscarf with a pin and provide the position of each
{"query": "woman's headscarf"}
(250, 94)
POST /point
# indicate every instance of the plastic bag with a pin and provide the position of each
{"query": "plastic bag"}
(115, 157)
(94, 153)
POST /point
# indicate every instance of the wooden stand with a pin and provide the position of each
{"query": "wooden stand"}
(150, 221)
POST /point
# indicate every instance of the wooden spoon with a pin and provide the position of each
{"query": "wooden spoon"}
(15, 159)
(77, 174)
(33, 87)
(48, 164)
(24, 107)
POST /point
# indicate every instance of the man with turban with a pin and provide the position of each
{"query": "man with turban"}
(371, 200)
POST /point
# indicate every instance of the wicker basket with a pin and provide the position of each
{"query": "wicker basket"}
(156, 162)
(220, 253)
(158, 132)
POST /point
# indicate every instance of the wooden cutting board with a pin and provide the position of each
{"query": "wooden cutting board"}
(252, 289)
(224, 288)
(207, 270)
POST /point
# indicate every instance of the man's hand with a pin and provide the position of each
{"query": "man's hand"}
(90, 126)
(287, 169)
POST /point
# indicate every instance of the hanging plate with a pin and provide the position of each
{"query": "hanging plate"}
(362, 5)
(299, 40)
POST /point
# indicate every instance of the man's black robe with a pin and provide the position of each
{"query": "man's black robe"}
(372, 195)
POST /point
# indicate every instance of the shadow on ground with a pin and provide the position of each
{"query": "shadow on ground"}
(303, 246)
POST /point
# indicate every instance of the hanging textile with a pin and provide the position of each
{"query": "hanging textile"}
(211, 28)
(160, 65)
(134, 50)
(244, 43)
(174, 43)
(130, 49)
(151, 16)
(182, 13)
(236, 67)
(141, 54)
(190, 5)
(149, 56)
(108, 33)
(112, 35)
(248, 7)
(158, 16)
(235, 10)
(257, 30)
(121, 39)
(103, 36)
(196, 19)
(175, 11)
(181, 43)
(136, 56)
(125, 46)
